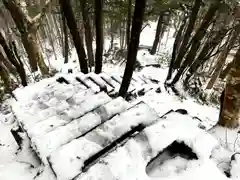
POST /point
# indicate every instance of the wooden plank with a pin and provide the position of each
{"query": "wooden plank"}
(46, 143)
(99, 138)
(101, 113)
(84, 79)
(100, 82)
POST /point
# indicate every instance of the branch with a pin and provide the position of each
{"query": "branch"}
(38, 18)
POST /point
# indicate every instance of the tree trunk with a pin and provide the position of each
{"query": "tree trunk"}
(59, 36)
(28, 30)
(22, 72)
(206, 50)
(176, 45)
(122, 35)
(158, 33)
(225, 71)
(34, 53)
(218, 68)
(50, 33)
(183, 48)
(229, 116)
(99, 35)
(223, 55)
(72, 25)
(65, 34)
(88, 32)
(129, 20)
(112, 36)
(133, 45)
(17, 64)
(5, 78)
(196, 40)
(8, 65)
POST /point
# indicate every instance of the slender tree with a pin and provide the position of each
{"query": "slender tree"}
(196, 40)
(72, 25)
(187, 35)
(133, 45)
(207, 49)
(65, 34)
(223, 56)
(28, 27)
(5, 77)
(229, 116)
(17, 63)
(129, 17)
(176, 45)
(87, 31)
(225, 71)
(99, 35)
(158, 33)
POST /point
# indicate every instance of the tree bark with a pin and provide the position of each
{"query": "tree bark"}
(225, 71)
(34, 53)
(65, 34)
(218, 68)
(28, 29)
(5, 78)
(133, 45)
(88, 32)
(122, 35)
(196, 40)
(22, 72)
(183, 48)
(158, 33)
(99, 36)
(112, 36)
(17, 64)
(229, 116)
(72, 25)
(129, 20)
(50, 34)
(8, 65)
(56, 24)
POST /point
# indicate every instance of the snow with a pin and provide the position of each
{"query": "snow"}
(47, 143)
(235, 165)
(99, 138)
(130, 161)
(45, 108)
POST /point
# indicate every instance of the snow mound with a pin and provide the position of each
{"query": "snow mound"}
(130, 160)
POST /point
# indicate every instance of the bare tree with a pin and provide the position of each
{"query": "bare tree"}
(99, 35)
(229, 115)
(72, 25)
(88, 32)
(133, 45)
(28, 27)
(17, 63)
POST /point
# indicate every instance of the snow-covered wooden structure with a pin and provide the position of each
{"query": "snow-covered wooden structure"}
(82, 131)
(110, 84)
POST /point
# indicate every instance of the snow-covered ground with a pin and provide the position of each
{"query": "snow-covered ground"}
(215, 148)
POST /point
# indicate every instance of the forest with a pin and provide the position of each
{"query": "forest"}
(184, 49)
